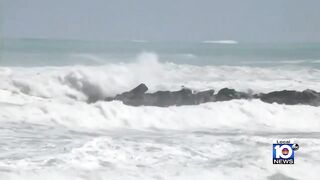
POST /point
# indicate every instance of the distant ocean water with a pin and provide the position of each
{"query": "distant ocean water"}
(48, 131)
(35, 52)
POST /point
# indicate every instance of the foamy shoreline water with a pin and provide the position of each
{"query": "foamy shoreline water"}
(135, 154)
(49, 131)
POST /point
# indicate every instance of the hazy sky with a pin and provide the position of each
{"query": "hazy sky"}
(163, 20)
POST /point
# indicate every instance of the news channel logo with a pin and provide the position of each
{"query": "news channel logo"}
(283, 151)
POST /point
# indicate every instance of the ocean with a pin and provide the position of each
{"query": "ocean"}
(49, 131)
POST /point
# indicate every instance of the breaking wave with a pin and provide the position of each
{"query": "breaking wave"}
(49, 131)
(59, 95)
(83, 82)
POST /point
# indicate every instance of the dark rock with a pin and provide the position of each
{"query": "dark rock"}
(141, 89)
(134, 97)
(168, 98)
(204, 96)
(109, 99)
(138, 97)
(292, 97)
(227, 94)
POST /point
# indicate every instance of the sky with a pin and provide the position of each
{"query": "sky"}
(163, 20)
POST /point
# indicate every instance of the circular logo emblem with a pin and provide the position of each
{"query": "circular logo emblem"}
(285, 151)
(295, 147)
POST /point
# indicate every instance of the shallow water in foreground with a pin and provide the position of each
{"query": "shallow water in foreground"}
(32, 151)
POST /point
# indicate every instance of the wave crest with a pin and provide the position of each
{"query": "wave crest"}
(95, 82)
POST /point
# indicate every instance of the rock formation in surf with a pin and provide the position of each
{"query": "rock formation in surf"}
(139, 96)
(308, 97)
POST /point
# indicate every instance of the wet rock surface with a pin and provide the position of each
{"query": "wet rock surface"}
(139, 97)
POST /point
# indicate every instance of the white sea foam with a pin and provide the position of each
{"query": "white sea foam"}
(59, 95)
(187, 56)
(49, 131)
(50, 153)
(83, 82)
(237, 114)
(221, 42)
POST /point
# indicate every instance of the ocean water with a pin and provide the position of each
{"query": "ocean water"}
(49, 131)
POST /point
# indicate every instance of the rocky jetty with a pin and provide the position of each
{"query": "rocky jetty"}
(139, 96)
(308, 97)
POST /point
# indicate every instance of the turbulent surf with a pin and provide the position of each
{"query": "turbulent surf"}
(49, 130)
